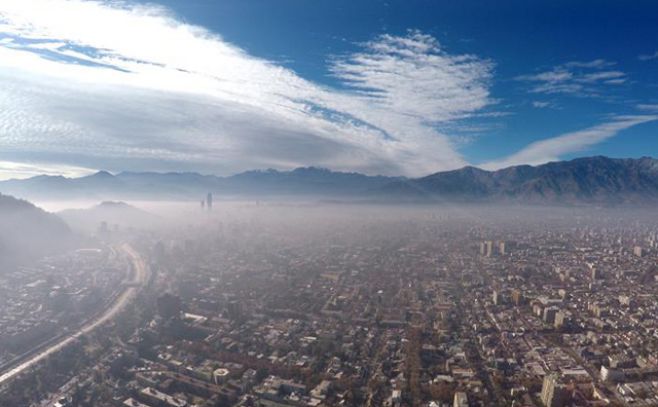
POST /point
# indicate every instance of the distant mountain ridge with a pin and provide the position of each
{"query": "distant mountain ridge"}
(600, 180)
(583, 180)
(188, 185)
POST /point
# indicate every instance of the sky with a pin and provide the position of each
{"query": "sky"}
(394, 87)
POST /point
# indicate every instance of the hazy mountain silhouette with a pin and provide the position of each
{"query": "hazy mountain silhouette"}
(27, 231)
(114, 214)
(583, 180)
(187, 185)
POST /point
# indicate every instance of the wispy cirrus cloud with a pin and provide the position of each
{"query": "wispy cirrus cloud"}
(391, 71)
(553, 149)
(648, 57)
(650, 107)
(576, 78)
(162, 94)
(14, 170)
(540, 104)
(593, 64)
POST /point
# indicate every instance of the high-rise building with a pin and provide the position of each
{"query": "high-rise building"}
(169, 306)
(611, 375)
(498, 297)
(209, 201)
(489, 248)
(595, 274)
(549, 314)
(460, 399)
(561, 319)
(103, 230)
(234, 310)
(554, 393)
(517, 297)
(637, 250)
(501, 248)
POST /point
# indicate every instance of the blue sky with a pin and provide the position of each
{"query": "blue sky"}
(395, 87)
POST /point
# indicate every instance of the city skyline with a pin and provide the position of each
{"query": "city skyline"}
(328, 203)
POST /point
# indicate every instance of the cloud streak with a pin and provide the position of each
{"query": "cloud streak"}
(160, 94)
(14, 170)
(648, 57)
(554, 148)
(583, 79)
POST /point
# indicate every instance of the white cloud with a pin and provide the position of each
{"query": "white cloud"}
(585, 79)
(648, 57)
(596, 63)
(540, 104)
(14, 170)
(604, 75)
(115, 85)
(648, 107)
(553, 149)
(413, 77)
(618, 81)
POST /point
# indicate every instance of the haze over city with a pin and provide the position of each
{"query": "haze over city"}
(247, 203)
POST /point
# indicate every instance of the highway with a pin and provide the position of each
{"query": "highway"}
(40, 353)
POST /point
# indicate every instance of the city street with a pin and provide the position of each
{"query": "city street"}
(30, 359)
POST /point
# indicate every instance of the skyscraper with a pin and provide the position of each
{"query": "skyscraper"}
(553, 392)
(561, 319)
(169, 306)
(209, 201)
(460, 399)
(486, 248)
(517, 297)
(498, 297)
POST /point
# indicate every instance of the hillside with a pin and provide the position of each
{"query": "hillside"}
(114, 214)
(27, 231)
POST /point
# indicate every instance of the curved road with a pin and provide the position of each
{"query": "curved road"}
(139, 278)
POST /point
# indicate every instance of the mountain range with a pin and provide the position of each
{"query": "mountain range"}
(102, 185)
(599, 180)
